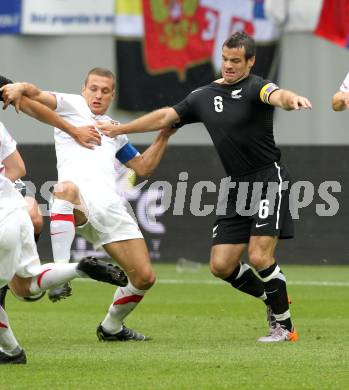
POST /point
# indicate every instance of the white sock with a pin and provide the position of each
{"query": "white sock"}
(125, 300)
(53, 275)
(8, 342)
(62, 229)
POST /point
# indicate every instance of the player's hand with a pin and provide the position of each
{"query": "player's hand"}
(168, 131)
(110, 128)
(12, 94)
(87, 136)
(298, 102)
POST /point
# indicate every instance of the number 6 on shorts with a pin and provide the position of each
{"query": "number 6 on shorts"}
(263, 209)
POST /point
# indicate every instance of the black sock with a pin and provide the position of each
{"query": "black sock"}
(244, 279)
(275, 287)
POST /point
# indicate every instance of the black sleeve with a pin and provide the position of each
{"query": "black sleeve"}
(4, 81)
(261, 89)
(186, 111)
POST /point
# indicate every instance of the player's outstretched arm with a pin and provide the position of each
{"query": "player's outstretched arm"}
(288, 100)
(30, 99)
(12, 94)
(85, 135)
(156, 120)
(144, 164)
(340, 101)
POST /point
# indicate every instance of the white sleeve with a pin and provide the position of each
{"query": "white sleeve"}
(66, 103)
(7, 143)
(345, 84)
(121, 141)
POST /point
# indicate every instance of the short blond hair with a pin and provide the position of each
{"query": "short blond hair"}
(103, 72)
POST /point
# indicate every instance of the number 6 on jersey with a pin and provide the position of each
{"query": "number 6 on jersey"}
(218, 103)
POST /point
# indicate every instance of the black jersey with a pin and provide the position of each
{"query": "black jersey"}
(3, 81)
(239, 120)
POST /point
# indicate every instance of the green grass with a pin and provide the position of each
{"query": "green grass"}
(204, 337)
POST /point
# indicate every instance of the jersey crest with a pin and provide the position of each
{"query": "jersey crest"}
(236, 94)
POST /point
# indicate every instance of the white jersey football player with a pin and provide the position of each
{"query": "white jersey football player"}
(19, 261)
(86, 196)
(340, 100)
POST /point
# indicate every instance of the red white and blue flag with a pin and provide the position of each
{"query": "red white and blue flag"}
(333, 23)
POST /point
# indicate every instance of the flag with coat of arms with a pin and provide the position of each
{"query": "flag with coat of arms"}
(167, 48)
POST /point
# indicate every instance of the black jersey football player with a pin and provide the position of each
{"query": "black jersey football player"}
(237, 110)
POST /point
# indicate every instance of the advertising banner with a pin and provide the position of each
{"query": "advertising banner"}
(51, 17)
(10, 16)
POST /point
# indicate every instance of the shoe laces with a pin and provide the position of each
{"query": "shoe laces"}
(278, 331)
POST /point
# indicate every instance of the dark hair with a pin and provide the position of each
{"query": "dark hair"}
(101, 72)
(241, 39)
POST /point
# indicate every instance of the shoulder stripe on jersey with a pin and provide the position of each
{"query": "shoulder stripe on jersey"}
(126, 153)
(266, 91)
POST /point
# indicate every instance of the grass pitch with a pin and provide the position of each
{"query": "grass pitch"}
(204, 337)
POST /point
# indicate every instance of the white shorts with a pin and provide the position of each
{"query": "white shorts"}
(108, 219)
(18, 253)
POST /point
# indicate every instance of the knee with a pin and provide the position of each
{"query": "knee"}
(259, 259)
(144, 280)
(219, 268)
(66, 191)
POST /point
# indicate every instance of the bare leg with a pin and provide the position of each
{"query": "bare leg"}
(225, 264)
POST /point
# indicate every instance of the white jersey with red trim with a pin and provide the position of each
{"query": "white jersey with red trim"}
(345, 84)
(10, 199)
(78, 164)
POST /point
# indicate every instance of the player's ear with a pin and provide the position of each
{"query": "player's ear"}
(251, 61)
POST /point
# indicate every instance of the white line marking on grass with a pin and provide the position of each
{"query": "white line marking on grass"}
(319, 283)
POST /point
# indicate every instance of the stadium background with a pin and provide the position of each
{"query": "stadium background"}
(55, 44)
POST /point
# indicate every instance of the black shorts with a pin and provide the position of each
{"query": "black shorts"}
(258, 205)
